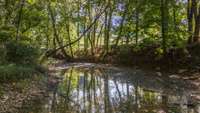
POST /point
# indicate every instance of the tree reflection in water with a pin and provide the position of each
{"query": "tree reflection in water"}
(100, 90)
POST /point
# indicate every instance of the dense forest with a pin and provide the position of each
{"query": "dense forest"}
(35, 35)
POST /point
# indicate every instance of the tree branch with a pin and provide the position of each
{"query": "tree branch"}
(80, 37)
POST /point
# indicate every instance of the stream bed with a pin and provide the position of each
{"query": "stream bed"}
(98, 88)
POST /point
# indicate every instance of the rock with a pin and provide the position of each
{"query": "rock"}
(158, 73)
(182, 71)
(196, 97)
(174, 76)
(197, 67)
(157, 68)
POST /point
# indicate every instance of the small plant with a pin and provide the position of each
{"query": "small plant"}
(2, 55)
(159, 52)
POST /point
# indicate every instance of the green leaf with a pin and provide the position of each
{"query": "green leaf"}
(31, 1)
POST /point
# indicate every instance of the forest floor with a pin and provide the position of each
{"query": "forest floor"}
(16, 93)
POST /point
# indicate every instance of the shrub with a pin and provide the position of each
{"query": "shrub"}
(21, 53)
(18, 52)
(6, 33)
(18, 59)
(123, 54)
(148, 42)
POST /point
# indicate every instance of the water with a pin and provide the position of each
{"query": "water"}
(93, 88)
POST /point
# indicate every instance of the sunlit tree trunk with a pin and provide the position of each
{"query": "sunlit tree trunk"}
(67, 23)
(86, 37)
(69, 39)
(137, 22)
(122, 24)
(105, 31)
(99, 37)
(108, 25)
(78, 23)
(94, 39)
(92, 33)
(19, 20)
(193, 21)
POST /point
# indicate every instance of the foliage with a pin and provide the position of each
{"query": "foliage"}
(18, 58)
(6, 33)
(13, 51)
(21, 53)
(148, 42)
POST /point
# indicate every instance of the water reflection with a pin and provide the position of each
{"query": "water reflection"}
(100, 90)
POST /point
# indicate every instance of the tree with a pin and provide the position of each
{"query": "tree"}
(164, 23)
(193, 20)
(22, 2)
(56, 36)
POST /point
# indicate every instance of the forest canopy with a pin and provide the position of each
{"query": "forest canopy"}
(75, 28)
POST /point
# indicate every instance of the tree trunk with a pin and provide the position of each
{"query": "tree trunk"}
(121, 25)
(68, 14)
(22, 3)
(197, 28)
(190, 21)
(137, 22)
(69, 38)
(164, 23)
(78, 24)
(108, 21)
(193, 19)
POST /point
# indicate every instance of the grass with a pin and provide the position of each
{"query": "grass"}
(11, 72)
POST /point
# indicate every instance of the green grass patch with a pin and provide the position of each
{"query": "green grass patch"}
(11, 72)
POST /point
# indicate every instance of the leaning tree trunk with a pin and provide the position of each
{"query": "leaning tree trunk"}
(56, 36)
